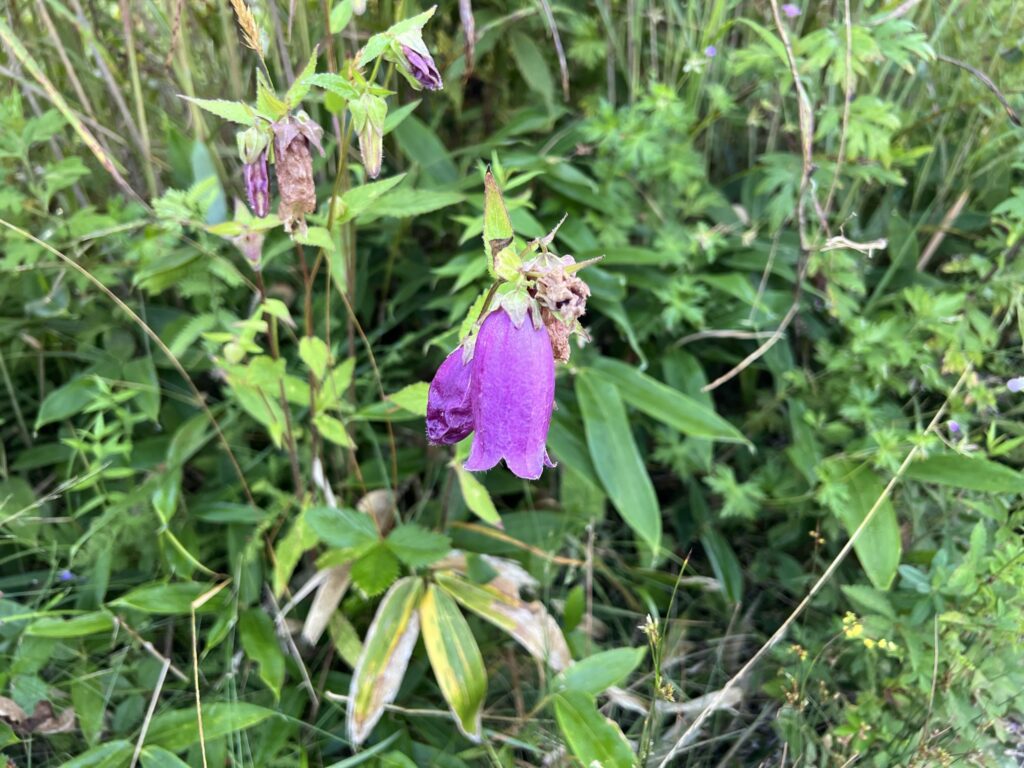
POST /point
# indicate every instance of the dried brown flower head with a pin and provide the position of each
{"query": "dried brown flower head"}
(294, 165)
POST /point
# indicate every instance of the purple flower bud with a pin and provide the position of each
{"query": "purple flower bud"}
(257, 185)
(711, 51)
(65, 575)
(421, 65)
(792, 11)
(1016, 384)
(954, 426)
(449, 411)
(512, 392)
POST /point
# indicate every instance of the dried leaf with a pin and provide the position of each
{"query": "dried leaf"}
(386, 651)
(528, 623)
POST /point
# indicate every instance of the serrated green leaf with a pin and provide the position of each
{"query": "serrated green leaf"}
(342, 528)
(455, 658)
(375, 570)
(298, 90)
(314, 353)
(333, 430)
(412, 398)
(235, 111)
(317, 237)
(415, 546)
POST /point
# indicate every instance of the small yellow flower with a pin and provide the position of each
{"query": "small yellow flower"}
(869, 643)
(852, 627)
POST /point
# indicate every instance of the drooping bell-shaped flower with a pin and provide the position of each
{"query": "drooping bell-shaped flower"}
(422, 67)
(512, 392)
(449, 410)
(252, 148)
(257, 185)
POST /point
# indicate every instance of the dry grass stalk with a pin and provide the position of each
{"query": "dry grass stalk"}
(247, 22)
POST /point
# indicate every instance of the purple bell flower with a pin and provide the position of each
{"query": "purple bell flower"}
(449, 411)
(422, 67)
(257, 185)
(509, 386)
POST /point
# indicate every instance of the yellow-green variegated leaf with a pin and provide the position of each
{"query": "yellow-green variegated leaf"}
(529, 623)
(455, 658)
(386, 651)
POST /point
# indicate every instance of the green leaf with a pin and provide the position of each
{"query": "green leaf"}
(341, 15)
(415, 546)
(259, 640)
(724, 563)
(375, 570)
(361, 198)
(314, 353)
(179, 729)
(77, 626)
(66, 401)
(476, 496)
(7, 736)
(386, 651)
(670, 407)
(455, 659)
(167, 599)
(592, 737)
(879, 546)
(298, 90)
(333, 429)
(158, 757)
(142, 373)
(869, 600)
(601, 671)
(235, 111)
(336, 84)
(972, 473)
(412, 398)
(533, 66)
(617, 459)
(420, 143)
(300, 537)
(318, 237)
(112, 754)
(89, 699)
(502, 259)
(342, 528)
(406, 202)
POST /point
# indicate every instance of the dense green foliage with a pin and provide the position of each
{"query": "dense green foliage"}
(215, 487)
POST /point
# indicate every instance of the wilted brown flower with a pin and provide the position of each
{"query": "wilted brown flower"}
(294, 165)
(563, 300)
